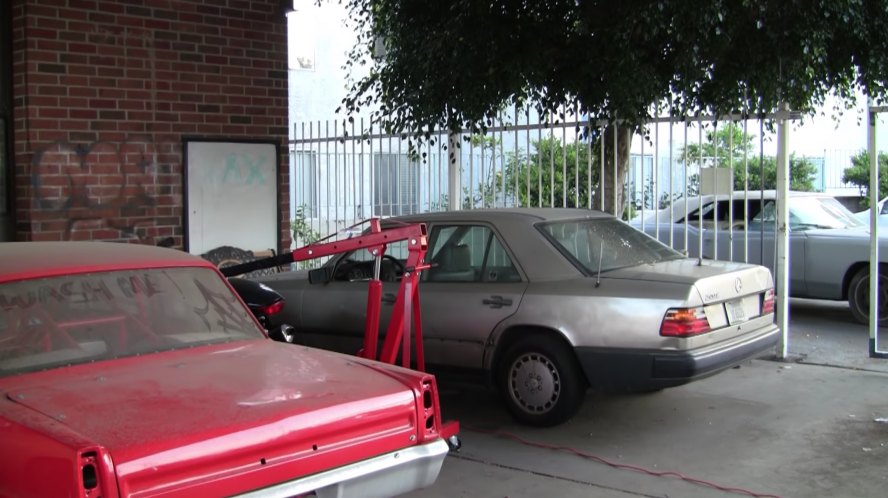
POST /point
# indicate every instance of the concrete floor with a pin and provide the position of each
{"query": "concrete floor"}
(818, 428)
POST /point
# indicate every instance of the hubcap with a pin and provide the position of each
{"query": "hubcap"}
(862, 295)
(534, 383)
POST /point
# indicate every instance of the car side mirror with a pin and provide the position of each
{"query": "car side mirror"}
(320, 275)
(284, 333)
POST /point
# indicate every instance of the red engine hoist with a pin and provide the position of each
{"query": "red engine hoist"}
(406, 305)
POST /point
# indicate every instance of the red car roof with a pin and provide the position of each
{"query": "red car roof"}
(25, 260)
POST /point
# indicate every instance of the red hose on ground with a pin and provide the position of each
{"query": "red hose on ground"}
(616, 465)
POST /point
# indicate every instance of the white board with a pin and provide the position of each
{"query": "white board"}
(719, 181)
(231, 195)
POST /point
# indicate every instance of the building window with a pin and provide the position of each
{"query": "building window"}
(305, 182)
(395, 185)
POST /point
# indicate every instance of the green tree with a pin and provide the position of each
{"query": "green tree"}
(303, 233)
(541, 177)
(730, 147)
(859, 174)
(484, 194)
(452, 65)
(725, 147)
(801, 174)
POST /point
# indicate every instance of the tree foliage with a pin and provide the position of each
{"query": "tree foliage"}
(454, 64)
(858, 174)
(554, 174)
(730, 147)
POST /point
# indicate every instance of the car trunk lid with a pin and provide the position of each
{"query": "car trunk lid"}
(730, 294)
(182, 424)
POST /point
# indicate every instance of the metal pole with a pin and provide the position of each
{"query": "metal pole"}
(643, 180)
(746, 192)
(601, 174)
(454, 166)
(563, 164)
(655, 190)
(874, 230)
(686, 194)
(700, 191)
(616, 160)
(577, 159)
(671, 186)
(715, 165)
(539, 151)
(781, 277)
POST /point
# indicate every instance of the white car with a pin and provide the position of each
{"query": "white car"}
(864, 215)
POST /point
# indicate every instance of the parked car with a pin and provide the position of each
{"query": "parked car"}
(882, 206)
(546, 302)
(829, 246)
(266, 305)
(133, 371)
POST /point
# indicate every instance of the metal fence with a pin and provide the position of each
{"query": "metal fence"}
(343, 172)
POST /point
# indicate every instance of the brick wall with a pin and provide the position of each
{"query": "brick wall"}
(104, 92)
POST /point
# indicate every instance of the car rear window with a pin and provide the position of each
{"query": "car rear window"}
(71, 319)
(606, 244)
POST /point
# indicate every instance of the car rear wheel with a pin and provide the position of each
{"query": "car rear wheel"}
(541, 381)
(858, 296)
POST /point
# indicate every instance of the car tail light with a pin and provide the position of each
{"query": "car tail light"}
(768, 301)
(273, 308)
(684, 322)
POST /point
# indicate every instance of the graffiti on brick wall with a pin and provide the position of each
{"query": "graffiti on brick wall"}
(103, 190)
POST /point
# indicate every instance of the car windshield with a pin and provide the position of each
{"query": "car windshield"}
(71, 319)
(606, 244)
(806, 213)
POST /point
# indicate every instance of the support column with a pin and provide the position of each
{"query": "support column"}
(454, 172)
(781, 271)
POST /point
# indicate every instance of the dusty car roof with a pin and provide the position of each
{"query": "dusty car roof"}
(20, 260)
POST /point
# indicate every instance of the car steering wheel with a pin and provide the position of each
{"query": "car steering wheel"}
(395, 271)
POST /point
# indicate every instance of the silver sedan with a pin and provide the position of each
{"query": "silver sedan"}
(545, 303)
(829, 248)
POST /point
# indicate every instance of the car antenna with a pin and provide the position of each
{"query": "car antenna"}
(600, 257)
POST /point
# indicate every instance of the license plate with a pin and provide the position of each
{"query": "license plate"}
(742, 309)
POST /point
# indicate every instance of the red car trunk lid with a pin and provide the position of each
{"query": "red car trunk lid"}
(248, 414)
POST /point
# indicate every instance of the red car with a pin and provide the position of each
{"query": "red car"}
(136, 371)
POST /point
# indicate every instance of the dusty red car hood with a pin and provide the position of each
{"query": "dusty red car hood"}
(250, 407)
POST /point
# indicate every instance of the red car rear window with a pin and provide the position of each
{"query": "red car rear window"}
(51, 322)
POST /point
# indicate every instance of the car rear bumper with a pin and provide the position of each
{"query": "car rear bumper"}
(645, 370)
(391, 474)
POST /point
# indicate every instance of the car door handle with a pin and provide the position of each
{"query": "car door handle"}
(388, 298)
(497, 302)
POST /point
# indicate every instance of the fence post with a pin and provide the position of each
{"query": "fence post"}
(781, 276)
(874, 229)
(454, 169)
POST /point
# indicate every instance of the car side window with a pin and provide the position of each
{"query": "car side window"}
(359, 265)
(768, 214)
(884, 209)
(468, 253)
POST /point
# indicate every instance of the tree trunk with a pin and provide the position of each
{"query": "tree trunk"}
(612, 170)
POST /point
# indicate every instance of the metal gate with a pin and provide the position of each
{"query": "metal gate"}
(347, 171)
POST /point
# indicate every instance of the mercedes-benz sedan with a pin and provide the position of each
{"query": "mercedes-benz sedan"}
(547, 302)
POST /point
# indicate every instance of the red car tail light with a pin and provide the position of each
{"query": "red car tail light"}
(684, 322)
(768, 301)
(273, 308)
